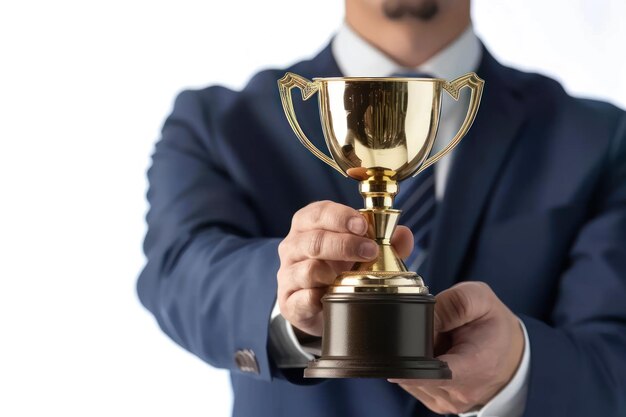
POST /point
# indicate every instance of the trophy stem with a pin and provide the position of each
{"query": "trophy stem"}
(387, 273)
(379, 189)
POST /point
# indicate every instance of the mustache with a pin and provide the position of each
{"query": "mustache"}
(424, 11)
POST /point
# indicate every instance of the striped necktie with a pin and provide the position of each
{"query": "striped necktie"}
(417, 201)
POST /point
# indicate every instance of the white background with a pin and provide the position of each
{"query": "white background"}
(84, 88)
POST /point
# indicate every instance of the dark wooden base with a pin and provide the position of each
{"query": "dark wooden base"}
(370, 335)
(409, 369)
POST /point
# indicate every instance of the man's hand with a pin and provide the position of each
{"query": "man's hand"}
(482, 342)
(325, 239)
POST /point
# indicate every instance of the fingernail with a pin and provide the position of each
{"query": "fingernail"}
(357, 225)
(368, 250)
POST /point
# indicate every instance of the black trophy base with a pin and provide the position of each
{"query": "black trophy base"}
(370, 335)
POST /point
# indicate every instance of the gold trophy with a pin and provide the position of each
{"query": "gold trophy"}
(378, 317)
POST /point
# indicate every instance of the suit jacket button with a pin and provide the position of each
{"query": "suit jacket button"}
(246, 361)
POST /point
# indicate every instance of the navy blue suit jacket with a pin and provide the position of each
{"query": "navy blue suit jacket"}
(535, 206)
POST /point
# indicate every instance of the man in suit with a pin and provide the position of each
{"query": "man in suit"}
(246, 229)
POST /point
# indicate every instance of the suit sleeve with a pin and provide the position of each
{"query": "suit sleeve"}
(578, 365)
(210, 278)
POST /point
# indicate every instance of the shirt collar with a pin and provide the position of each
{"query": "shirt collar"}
(357, 58)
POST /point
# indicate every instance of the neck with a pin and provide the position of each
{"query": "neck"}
(408, 41)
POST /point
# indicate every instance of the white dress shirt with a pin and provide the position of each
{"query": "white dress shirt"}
(355, 57)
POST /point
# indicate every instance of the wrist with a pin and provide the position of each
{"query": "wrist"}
(516, 352)
(512, 359)
(510, 401)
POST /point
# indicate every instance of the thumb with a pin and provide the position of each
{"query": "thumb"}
(463, 303)
(402, 241)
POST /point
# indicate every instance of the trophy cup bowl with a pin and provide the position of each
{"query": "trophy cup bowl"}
(378, 317)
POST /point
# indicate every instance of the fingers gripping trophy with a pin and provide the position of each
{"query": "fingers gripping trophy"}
(379, 316)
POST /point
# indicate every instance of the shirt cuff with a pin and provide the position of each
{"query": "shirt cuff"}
(285, 349)
(511, 400)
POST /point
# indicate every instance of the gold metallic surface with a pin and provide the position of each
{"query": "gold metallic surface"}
(453, 88)
(308, 88)
(387, 259)
(379, 131)
(378, 187)
(409, 283)
(380, 123)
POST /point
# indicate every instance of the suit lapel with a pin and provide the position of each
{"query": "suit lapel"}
(477, 162)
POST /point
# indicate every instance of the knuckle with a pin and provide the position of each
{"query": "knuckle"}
(318, 209)
(315, 213)
(311, 213)
(309, 268)
(282, 248)
(280, 276)
(283, 305)
(283, 290)
(483, 289)
(344, 247)
(316, 243)
(330, 214)
(298, 216)
(461, 302)
(483, 286)
(306, 308)
(309, 299)
(482, 296)
(479, 288)
(298, 309)
(284, 276)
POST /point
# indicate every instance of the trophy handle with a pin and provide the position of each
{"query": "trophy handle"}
(475, 84)
(307, 88)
